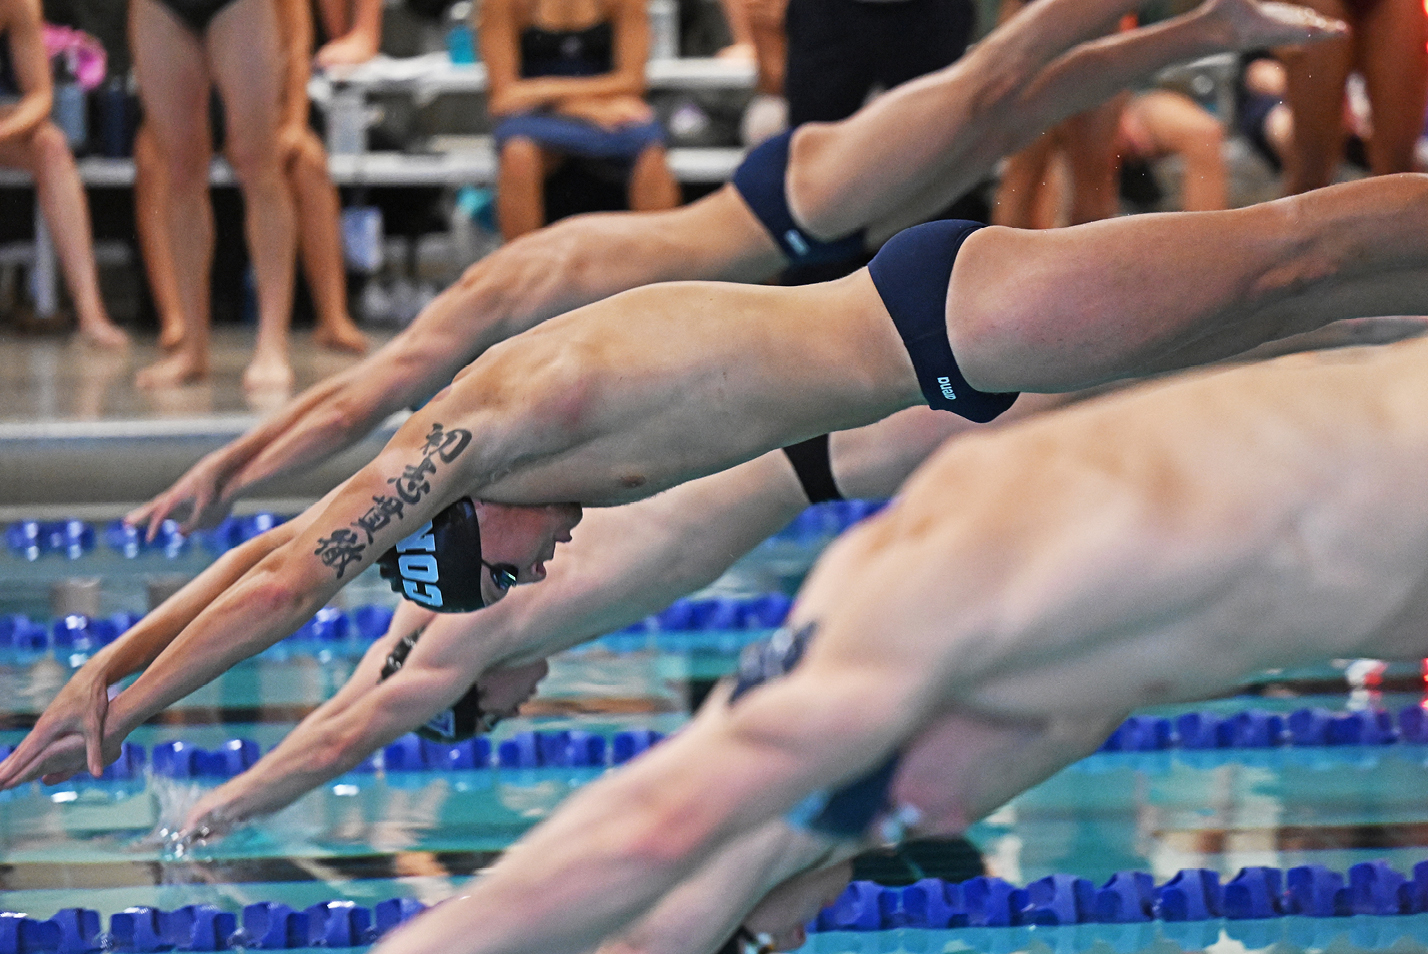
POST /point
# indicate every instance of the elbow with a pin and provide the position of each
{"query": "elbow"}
(344, 415)
(332, 751)
(663, 836)
(275, 593)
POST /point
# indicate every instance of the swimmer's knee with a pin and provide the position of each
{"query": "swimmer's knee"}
(187, 168)
(309, 156)
(48, 145)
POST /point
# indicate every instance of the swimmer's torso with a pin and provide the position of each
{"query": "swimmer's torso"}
(1125, 534)
(639, 396)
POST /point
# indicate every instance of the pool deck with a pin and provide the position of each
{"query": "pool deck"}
(74, 430)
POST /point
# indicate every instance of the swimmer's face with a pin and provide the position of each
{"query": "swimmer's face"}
(524, 537)
(503, 690)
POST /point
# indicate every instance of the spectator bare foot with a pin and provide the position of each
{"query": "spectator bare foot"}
(103, 334)
(268, 371)
(341, 336)
(181, 367)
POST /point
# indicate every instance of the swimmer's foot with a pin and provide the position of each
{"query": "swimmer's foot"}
(103, 334)
(181, 367)
(1250, 24)
(341, 335)
(268, 371)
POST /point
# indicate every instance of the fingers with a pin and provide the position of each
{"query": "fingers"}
(59, 760)
(15, 769)
(139, 516)
(94, 731)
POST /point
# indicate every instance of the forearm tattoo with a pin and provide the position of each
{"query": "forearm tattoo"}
(345, 546)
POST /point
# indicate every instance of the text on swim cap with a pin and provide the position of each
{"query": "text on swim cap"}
(419, 569)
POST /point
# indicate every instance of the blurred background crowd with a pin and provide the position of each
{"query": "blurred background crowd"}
(370, 150)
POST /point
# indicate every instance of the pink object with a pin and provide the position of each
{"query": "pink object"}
(86, 54)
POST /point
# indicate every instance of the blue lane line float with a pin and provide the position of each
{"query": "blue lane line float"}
(1308, 905)
(201, 927)
(73, 538)
(32, 539)
(1192, 896)
(1257, 729)
(578, 749)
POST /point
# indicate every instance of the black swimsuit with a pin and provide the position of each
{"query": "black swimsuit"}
(196, 14)
(587, 52)
(9, 82)
(760, 181)
(912, 272)
(813, 466)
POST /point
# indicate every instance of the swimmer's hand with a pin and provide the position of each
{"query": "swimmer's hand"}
(68, 737)
(196, 499)
(777, 923)
(210, 819)
(1249, 24)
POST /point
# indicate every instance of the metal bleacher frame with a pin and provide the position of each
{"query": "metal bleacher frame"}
(423, 78)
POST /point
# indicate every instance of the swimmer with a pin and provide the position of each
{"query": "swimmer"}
(182, 49)
(626, 563)
(30, 141)
(1027, 589)
(851, 183)
(318, 206)
(619, 400)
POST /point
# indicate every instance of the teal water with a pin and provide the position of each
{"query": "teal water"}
(368, 837)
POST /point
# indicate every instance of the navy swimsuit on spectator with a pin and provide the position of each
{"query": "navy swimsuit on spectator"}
(587, 52)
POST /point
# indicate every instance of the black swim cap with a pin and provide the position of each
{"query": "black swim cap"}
(439, 566)
(464, 720)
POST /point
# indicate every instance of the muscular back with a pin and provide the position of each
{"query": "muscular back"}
(1160, 544)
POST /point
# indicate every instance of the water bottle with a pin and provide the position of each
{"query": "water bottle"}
(460, 41)
(70, 109)
(346, 121)
(114, 118)
(363, 238)
(664, 29)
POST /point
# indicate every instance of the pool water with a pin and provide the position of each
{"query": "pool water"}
(375, 835)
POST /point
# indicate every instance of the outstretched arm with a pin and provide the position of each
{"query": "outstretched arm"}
(623, 564)
(619, 845)
(552, 270)
(334, 541)
(74, 719)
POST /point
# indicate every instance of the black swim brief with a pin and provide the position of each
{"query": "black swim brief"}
(912, 272)
(760, 180)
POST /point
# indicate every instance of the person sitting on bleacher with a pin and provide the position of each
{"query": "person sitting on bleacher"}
(30, 141)
(567, 79)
